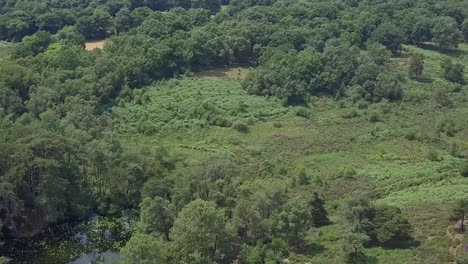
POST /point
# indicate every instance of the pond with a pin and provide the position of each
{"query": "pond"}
(97, 240)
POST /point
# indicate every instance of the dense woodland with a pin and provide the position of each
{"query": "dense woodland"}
(63, 156)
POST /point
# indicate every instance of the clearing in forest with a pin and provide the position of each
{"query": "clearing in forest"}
(94, 44)
(232, 72)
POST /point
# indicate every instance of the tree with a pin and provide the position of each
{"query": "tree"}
(383, 223)
(389, 35)
(389, 225)
(453, 72)
(318, 211)
(70, 36)
(294, 220)
(352, 246)
(198, 232)
(123, 20)
(156, 216)
(94, 26)
(251, 225)
(446, 33)
(460, 212)
(144, 249)
(359, 212)
(464, 28)
(387, 87)
(416, 66)
(213, 5)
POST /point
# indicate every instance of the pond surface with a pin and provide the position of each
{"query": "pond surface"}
(97, 240)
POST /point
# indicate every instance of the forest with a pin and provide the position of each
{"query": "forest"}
(238, 131)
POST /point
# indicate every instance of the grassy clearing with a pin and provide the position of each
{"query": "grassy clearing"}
(232, 72)
(403, 157)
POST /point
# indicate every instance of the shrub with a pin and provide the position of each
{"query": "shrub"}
(453, 72)
(347, 173)
(432, 155)
(277, 124)
(464, 169)
(349, 114)
(410, 135)
(454, 150)
(374, 117)
(442, 99)
(241, 127)
(303, 112)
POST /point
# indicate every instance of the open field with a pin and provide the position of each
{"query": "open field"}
(398, 152)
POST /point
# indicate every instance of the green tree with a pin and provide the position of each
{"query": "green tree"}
(294, 220)
(464, 28)
(3, 260)
(360, 212)
(156, 216)
(94, 26)
(390, 225)
(70, 36)
(388, 86)
(318, 211)
(460, 212)
(251, 225)
(123, 20)
(389, 35)
(446, 33)
(145, 249)
(198, 233)
(453, 72)
(416, 66)
(352, 245)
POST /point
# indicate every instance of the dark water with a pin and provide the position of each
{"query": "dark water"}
(97, 240)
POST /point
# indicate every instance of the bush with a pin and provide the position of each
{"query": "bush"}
(374, 117)
(432, 155)
(347, 173)
(277, 124)
(442, 99)
(464, 169)
(241, 127)
(350, 114)
(454, 150)
(410, 135)
(303, 112)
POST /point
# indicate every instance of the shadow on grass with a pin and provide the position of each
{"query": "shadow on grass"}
(369, 260)
(409, 243)
(455, 53)
(310, 249)
(426, 79)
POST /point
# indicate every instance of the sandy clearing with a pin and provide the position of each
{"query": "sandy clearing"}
(95, 44)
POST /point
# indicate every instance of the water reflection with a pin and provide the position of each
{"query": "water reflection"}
(97, 240)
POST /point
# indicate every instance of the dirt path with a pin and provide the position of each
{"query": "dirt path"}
(455, 233)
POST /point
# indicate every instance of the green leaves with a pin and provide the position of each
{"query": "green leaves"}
(446, 33)
(198, 232)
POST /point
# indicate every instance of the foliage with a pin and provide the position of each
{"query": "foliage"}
(453, 72)
(446, 33)
(416, 64)
(144, 249)
(198, 232)
(459, 211)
